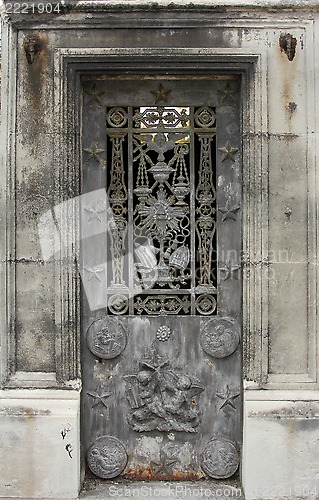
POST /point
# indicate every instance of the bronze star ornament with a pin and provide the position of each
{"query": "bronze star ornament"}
(228, 152)
(99, 398)
(227, 93)
(229, 397)
(94, 152)
(161, 95)
(229, 212)
(163, 465)
(94, 95)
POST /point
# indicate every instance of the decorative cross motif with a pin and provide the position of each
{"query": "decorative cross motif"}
(161, 94)
(228, 151)
(228, 397)
(94, 94)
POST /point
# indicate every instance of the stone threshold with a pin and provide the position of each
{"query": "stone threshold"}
(161, 490)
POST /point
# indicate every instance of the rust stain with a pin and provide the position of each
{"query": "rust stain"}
(288, 44)
(35, 49)
(18, 411)
(140, 473)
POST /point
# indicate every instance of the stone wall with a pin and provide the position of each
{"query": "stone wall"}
(274, 46)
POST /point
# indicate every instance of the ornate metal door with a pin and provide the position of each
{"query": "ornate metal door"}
(161, 271)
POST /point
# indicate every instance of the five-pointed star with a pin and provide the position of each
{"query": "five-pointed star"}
(94, 152)
(229, 271)
(95, 94)
(227, 92)
(154, 361)
(94, 272)
(99, 398)
(228, 151)
(161, 94)
(162, 466)
(94, 213)
(228, 398)
(229, 213)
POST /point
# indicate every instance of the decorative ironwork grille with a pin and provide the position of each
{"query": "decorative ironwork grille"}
(161, 189)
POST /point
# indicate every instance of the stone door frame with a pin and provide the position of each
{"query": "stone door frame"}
(70, 64)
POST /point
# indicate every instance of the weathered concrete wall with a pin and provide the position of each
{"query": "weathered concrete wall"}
(40, 133)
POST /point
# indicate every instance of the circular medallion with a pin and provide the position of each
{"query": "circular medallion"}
(118, 304)
(220, 458)
(219, 337)
(163, 333)
(107, 457)
(106, 338)
(206, 304)
(116, 117)
(205, 117)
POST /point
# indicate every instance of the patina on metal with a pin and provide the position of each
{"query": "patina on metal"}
(162, 359)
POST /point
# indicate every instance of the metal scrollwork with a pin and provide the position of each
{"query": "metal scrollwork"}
(162, 304)
(106, 337)
(219, 337)
(117, 193)
(220, 458)
(163, 225)
(161, 212)
(205, 222)
(107, 457)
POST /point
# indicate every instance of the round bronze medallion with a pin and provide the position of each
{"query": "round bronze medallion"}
(106, 337)
(219, 337)
(118, 304)
(107, 457)
(116, 117)
(206, 304)
(220, 458)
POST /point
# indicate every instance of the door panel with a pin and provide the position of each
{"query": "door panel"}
(161, 352)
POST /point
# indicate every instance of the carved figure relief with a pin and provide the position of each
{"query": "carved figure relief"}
(219, 337)
(106, 337)
(107, 457)
(162, 398)
(220, 458)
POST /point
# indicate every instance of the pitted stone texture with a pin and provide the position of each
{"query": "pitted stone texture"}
(39, 444)
(280, 455)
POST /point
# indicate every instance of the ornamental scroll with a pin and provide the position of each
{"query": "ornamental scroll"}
(156, 155)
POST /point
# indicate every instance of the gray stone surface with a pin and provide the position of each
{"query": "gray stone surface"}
(161, 490)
